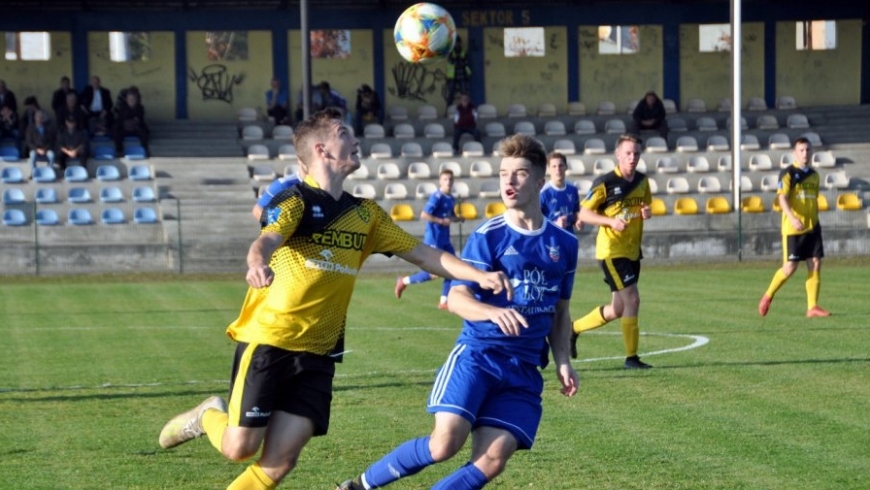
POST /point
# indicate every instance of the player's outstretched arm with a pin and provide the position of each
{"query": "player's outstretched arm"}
(259, 255)
(461, 301)
(560, 341)
(444, 264)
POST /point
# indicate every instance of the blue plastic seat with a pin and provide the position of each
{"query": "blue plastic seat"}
(79, 195)
(44, 174)
(45, 195)
(14, 217)
(108, 172)
(135, 152)
(11, 175)
(14, 196)
(9, 154)
(47, 217)
(104, 152)
(111, 194)
(80, 216)
(75, 173)
(145, 215)
(132, 140)
(140, 172)
(144, 194)
(112, 216)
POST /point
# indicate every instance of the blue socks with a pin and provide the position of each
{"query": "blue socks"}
(405, 460)
(445, 288)
(466, 478)
(419, 277)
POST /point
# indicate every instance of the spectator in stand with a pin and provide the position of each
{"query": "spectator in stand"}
(465, 120)
(322, 97)
(41, 138)
(71, 108)
(7, 98)
(458, 72)
(9, 127)
(278, 103)
(97, 103)
(368, 108)
(25, 120)
(131, 122)
(72, 143)
(650, 115)
(58, 98)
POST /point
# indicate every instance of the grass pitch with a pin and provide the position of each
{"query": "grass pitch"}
(93, 367)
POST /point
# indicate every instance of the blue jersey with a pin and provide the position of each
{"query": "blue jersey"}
(540, 265)
(557, 202)
(276, 187)
(440, 205)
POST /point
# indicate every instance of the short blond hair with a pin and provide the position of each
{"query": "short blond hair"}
(524, 146)
(315, 127)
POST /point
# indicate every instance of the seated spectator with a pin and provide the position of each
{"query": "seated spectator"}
(322, 96)
(25, 119)
(58, 98)
(650, 115)
(96, 101)
(368, 108)
(71, 108)
(465, 120)
(72, 143)
(131, 122)
(278, 103)
(9, 127)
(41, 137)
(7, 98)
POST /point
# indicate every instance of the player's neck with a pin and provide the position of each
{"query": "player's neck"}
(529, 218)
(328, 181)
(558, 184)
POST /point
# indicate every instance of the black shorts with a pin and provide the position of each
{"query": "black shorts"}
(620, 273)
(797, 248)
(267, 378)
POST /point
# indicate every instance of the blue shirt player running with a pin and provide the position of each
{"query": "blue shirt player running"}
(560, 201)
(275, 188)
(490, 386)
(438, 214)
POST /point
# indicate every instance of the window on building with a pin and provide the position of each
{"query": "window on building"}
(524, 41)
(28, 46)
(618, 40)
(816, 34)
(226, 45)
(713, 38)
(129, 46)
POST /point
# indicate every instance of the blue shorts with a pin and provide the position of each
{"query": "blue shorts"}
(490, 389)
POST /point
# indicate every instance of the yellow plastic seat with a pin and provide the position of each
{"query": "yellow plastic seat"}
(494, 209)
(823, 203)
(658, 207)
(465, 210)
(752, 204)
(686, 205)
(718, 205)
(402, 212)
(849, 202)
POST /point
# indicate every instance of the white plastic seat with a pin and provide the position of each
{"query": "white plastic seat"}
(779, 141)
(641, 166)
(427, 112)
(677, 185)
(709, 184)
(706, 123)
(744, 125)
(698, 164)
(524, 127)
(258, 152)
(583, 186)
(656, 144)
(584, 126)
(381, 150)
(837, 180)
(594, 146)
(364, 191)
(287, 152)
(112, 216)
(745, 184)
(434, 130)
(398, 113)
(749, 142)
(451, 166)
(615, 126)
(717, 142)
(361, 173)
(724, 163)
(667, 165)
(419, 170)
(13, 196)
(766, 122)
(785, 102)
(602, 166)
(769, 183)
(686, 144)
(575, 167)
(395, 190)
(495, 130)
(785, 160)
(111, 194)
(576, 108)
(144, 216)
(632, 105)
(263, 173)
(554, 128)
(388, 170)
(487, 111)
(760, 163)
(472, 149)
(756, 104)
(291, 169)
(374, 130)
(79, 217)
(606, 108)
(403, 130)
(252, 133)
(677, 124)
(144, 194)
(424, 190)
(670, 106)
(45, 195)
(724, 105)
(565, 146)
(797, 121)
(247, 114)
(460, 189)
(814, 139)
(824, 159)
(547, 109)
(696, 105)
(282, 132)
(412, 149)
(480, 168)
(516, 110)
(653, 186)
(489, 189)
(442, 149)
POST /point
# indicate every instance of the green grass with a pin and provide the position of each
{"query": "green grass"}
(92, 367)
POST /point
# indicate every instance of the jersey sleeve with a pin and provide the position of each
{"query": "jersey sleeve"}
(283, 217)
(386, 237)
(432, 204)
(784, 186)
(596, 196)
(576, 208)
(567, 286)
(544, 199)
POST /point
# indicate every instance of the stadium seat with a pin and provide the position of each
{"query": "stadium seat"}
(79, 217)
(135, 152)
(461, 190)
(824, 159)
(667, 165)
(112, 216)
(144, 194)
(145, 216)
(495, 130)
(602, 166)
(452, 166)
(555, 128)
(402, 212)
(46, 195)
(374, 131)
(766, 122)
(434, 130)
(424, 190)
(575, 167)
(516, 110)
(849, 202)
(13, 196)
(404, 130)
(756, 104)
(698, 164)
(677, 125)
(749, 142)
(524, 127)
(797, 121)
(709, 185)
(670, 106)
(75, 173)
(140, 173)
(576, 108)
(388, 171)
(677, 185)
(451, 111)
(653, 185)
(718, 142)
(419, 170)
(282, 132)
(814, 139)
(365, 191)
(79, 195)
(258, 152)
(615, 126)
(724, 163)
(584, 126)
(696, 105)
(287, 152)
(14, 217)
(779, 141)
(745, 184)
(658, 207)
(686, 144)
(9, 154)
(427, 112)
(466, 210)
(103, 152)
(12, 175)
(481, 168)
(565, 146)
(786, 159)
(44, 174)
(252, 133)
(744, 125)
(656, 144)
(760, 163)
(547, 109)
(291, 169)
(398, 113)
(411, 149)
(606, 108)
(442, 149)
(46, 217)
(247, 114)
(395, 190)
(108, 173)
(752, 204)
(494, 209)
(769, 183)
(263, 173)
(362, 173)
(836, 180)
(381, 150)
(632, 105)
(594, 146)
(486, 111)
(685, 206)
(718, 205)
(472, 149)
(489, 189)
(785, 102)
(111, 194)
(583, 186)
(706, 123)
(823, 202)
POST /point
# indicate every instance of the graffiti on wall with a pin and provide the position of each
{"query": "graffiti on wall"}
(215, 82)
(417, 82)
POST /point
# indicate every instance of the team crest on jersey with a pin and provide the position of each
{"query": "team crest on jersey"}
(363, 214)
(272, 215)
(617, 190)
(553, 252)
(316, 211)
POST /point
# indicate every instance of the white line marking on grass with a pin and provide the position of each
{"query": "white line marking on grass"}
(699, 341)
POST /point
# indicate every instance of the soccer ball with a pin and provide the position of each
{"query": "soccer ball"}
(424, 33)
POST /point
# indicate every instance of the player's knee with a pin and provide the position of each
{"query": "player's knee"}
(444, 448)
(238, 452)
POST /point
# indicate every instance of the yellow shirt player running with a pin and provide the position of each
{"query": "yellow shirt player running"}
(618, 203)
(290, 332)
(801, 232)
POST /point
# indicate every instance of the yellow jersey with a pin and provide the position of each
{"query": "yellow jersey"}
(613, 196)
(801, 186)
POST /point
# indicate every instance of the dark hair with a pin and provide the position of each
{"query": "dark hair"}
(803, 139)
(560, 156)
(525, 146)
(316, 126)
(445, 171)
